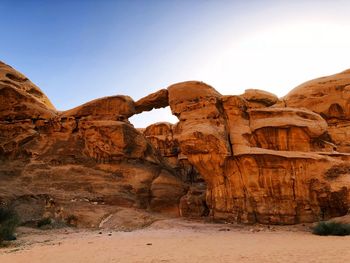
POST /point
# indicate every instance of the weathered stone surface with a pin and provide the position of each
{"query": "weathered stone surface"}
(110, 108)
(14, 79)
(184, 100)
(261, 97)
(249, 158)
(201, 131)
(287, 129)
(97, 164)
(155, 100)
(260, 164)
(20, 98)
(84, 163)
(161, 136)
(193, 204)
(164, 184)
(330, 97)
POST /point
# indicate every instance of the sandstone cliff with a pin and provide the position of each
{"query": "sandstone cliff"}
(247, 158)
(86, 162)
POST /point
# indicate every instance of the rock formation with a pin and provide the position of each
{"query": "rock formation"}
(161, 136)
(246, 158)
(330, 98)
(86, 161)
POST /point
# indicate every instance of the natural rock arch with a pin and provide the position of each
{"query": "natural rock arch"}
(92, 151)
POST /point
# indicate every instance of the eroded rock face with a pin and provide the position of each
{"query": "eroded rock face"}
(259, 98)
(248, 158)
(14, 79)
(20, 98)
(261, 164)
(109, 108)
(155, 100)
(87, 162)
(161, 136)
(330, 97)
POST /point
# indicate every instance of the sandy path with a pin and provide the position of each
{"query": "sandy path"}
(198, 243)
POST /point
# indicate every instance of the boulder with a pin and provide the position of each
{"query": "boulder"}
(261, 97)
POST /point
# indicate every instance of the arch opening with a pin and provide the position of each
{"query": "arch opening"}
(146, 118)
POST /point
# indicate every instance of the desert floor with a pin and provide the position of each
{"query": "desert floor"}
(177, 241)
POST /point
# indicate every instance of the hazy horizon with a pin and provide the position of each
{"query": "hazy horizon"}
(76, 51)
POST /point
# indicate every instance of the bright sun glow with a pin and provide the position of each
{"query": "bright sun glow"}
(281, 57)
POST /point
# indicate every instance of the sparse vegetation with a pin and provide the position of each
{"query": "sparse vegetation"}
(331, 229)
(44, 222)
(8, 222)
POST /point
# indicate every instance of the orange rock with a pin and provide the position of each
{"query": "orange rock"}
(261, 97)
(261, 164)
(249, 158)
(160, 135)
(20, 98)
(14, 79)
(111, 108)
(163, 189)
(155, 100)
(86, 162)
(328, 96)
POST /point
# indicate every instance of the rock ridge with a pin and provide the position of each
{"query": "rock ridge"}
(250, 158)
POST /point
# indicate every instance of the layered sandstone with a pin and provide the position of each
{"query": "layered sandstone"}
(87, 162)
(261, 164)
(242, 158)
(330, 97)
(161, 136)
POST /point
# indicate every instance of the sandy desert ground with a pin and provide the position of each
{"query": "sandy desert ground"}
(178, 241)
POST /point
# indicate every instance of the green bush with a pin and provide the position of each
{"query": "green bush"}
(8, 223)
(331, 229)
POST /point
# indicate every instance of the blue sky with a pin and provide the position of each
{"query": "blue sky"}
(76, 51)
